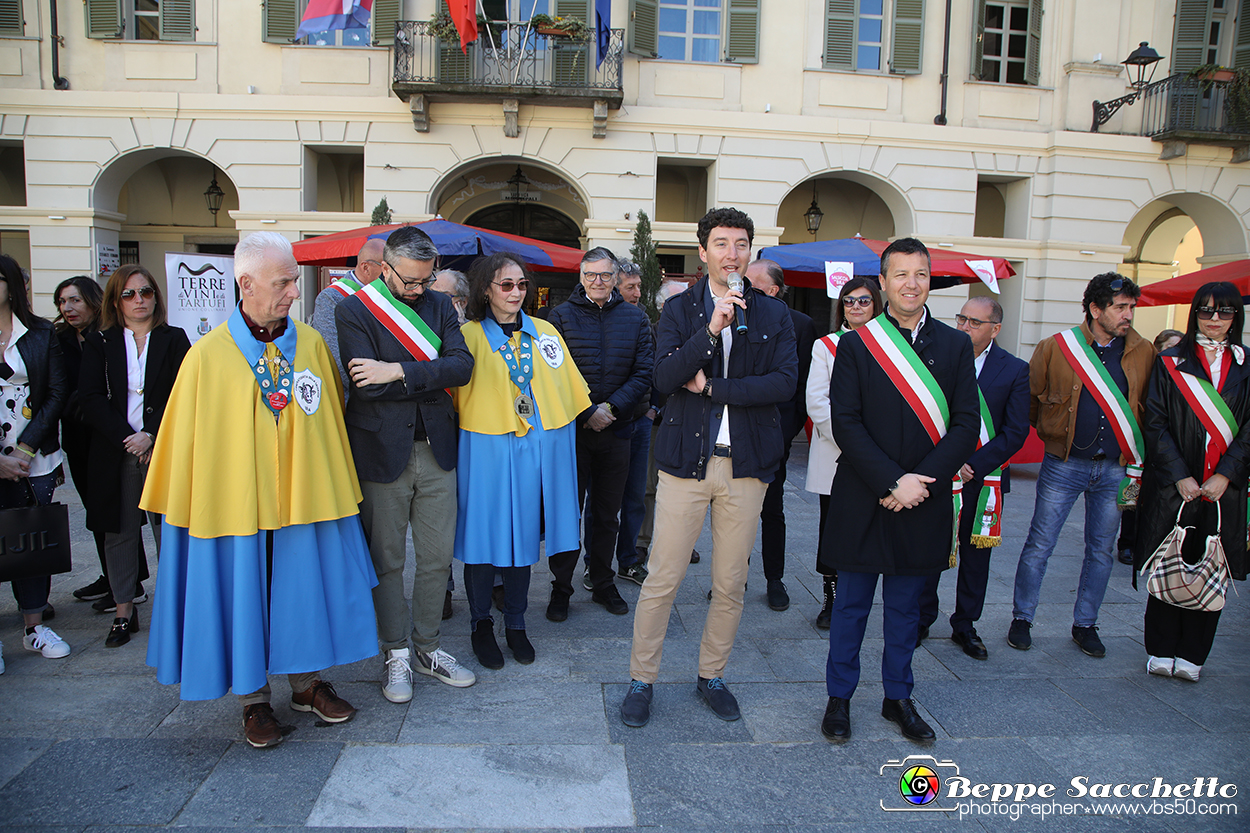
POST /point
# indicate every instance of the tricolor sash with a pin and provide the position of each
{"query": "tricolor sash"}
(1212, 411)
(346, 286)
(915, 383)
(987, 525)
(831, 342)
(1095, 378)
(401, 321)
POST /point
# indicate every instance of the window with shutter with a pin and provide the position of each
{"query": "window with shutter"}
(742, 44)
(354, 35)
(177, 20)
(104, 18)
(385, 14)
(644, 16)
(1189, 39)
(874, 35)
(10, 18)
(1241, 48)
(1009, 47)
(279, 21)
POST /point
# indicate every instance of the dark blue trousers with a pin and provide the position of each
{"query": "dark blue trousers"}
(900, 596)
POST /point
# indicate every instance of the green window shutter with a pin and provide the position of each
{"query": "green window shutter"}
(743, 44)
(280, 21)
(978, 40)
(1033, 55)
(644, 27)
(1241, 49)
(840, 34)
(104, 18)
(177, 20)
(575, 8)
(385, 14)
(1189, 41)
(908, 36)
(10, 18)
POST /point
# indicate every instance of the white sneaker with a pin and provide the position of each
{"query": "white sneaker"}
(45, 640)
(1186, 670)
(442, 666)
(398, 687)
(1159, 666)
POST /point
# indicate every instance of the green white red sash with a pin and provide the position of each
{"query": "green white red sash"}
(831, 342)
(401, 321)
(987, 526)
(918, 388)
(1095, 378)
(346, 286)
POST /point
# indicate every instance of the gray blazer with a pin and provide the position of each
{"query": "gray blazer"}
(379, 418)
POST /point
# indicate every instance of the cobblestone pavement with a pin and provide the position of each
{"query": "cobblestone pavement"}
(93, 742)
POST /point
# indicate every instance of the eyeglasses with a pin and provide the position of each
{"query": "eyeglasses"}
(506, 286)
(410, 283)
(857, 301)
(599, 277)
(963, 320)
(142, 292)
(1225, 313)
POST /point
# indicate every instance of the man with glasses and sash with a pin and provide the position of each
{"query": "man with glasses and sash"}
(368, 267)
(402, 349)
(904, 411)
(1087, 387)
(1003, 391)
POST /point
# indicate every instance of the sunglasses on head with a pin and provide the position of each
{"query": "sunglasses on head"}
(142, 292)
(1225, 313)
(857, 301)
(509, 285)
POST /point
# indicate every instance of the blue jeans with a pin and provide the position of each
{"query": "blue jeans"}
(632, 507)
(1059, 484)
(479, 579)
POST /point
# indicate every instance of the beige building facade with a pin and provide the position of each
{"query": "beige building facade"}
(767, 105)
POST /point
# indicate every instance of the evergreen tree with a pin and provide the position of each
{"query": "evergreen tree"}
(643, 253)
(381, 214)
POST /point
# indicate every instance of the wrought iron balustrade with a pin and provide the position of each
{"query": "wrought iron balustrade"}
(1183, 108)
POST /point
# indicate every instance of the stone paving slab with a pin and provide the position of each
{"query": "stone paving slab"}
(514, 786)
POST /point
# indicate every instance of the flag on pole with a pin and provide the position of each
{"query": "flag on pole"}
(464, 15)
(603, 29)
(985, 271)
(325, 15)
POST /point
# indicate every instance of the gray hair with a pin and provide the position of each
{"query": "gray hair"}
(627, 268)
(251, 251)
(996, 309)
(410, 243)
(667, 290)
(600, 253)
(462, 283)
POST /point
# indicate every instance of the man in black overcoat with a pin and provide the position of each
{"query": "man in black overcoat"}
(890, 509)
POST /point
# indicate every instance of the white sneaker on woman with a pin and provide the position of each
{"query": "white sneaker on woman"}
(1159, 666)
(45, 641)
(1186, 670)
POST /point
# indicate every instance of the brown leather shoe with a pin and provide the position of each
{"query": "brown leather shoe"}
(321, 700)
(259, 726)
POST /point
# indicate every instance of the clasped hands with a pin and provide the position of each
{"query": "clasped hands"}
(1213, 489)
(910, 492)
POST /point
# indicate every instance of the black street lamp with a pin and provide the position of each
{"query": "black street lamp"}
(1141, 57)
(520, 186)
(813, 215)
(214, 196)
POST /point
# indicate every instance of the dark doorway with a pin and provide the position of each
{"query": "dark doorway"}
(536, 221)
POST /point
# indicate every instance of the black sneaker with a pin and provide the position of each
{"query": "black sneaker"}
(558, 607)
(636, 707)
(1088, 639)
(610, 598)
(778, 598)
(1018, 635)
(97, 589)
(636, 573)
(105, 605)
(723, 704)
(586, 582)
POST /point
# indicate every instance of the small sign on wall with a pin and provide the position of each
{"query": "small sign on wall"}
(108, 258)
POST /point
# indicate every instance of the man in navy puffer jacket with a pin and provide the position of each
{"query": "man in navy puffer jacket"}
(610, 342)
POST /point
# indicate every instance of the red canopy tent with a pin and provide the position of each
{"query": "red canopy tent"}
(1181, 289)
(804, 263)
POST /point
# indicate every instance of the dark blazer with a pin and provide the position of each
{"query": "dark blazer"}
(794, 412)
(881, 440)
(102, 395)
(380, 418)
(763, 370)
(45, 367)
(1175, 448)
(1004, 382)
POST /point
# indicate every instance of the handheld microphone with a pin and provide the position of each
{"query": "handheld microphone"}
(734, 280)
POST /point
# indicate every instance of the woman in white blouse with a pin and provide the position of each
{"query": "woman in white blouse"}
(858, 303)
(128, 371)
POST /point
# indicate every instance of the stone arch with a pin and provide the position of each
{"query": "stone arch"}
(480, 184)
(171, 169)
(852, 201)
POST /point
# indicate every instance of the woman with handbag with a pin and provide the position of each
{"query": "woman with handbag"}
(32, 394)
(1197, 430)
(128, 371)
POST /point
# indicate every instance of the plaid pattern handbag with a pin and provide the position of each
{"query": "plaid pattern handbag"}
(1200, 586)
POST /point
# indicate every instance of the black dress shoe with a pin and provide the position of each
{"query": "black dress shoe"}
(694, 556)
(903, 713)
(610, 598)
(485, 648)
(971, 643)
(558, 607)
(778, 598)
(837, 723)
(120, 633)
(922, 634)
(519, 644)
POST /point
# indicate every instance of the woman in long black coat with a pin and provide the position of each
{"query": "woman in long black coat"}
(1178, 471)
(128, 371)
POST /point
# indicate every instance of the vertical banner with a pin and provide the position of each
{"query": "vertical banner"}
(199, 291)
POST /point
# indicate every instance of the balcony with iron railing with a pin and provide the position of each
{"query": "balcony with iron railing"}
(1181, 110)
(509, 64)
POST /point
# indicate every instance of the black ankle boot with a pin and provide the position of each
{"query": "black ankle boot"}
(485, 648)
(519, 644)
(826, 612)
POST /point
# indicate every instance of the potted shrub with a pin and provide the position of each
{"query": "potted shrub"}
(1236, 86)
(560, 27)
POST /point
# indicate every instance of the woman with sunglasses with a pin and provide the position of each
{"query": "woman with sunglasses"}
(858, 303)
(517, 469)
(32, 394)
(1187, 464)
(128, 371)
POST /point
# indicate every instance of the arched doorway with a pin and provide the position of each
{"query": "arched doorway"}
(536, 221)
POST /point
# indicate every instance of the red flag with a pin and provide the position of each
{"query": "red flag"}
(463, 14)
